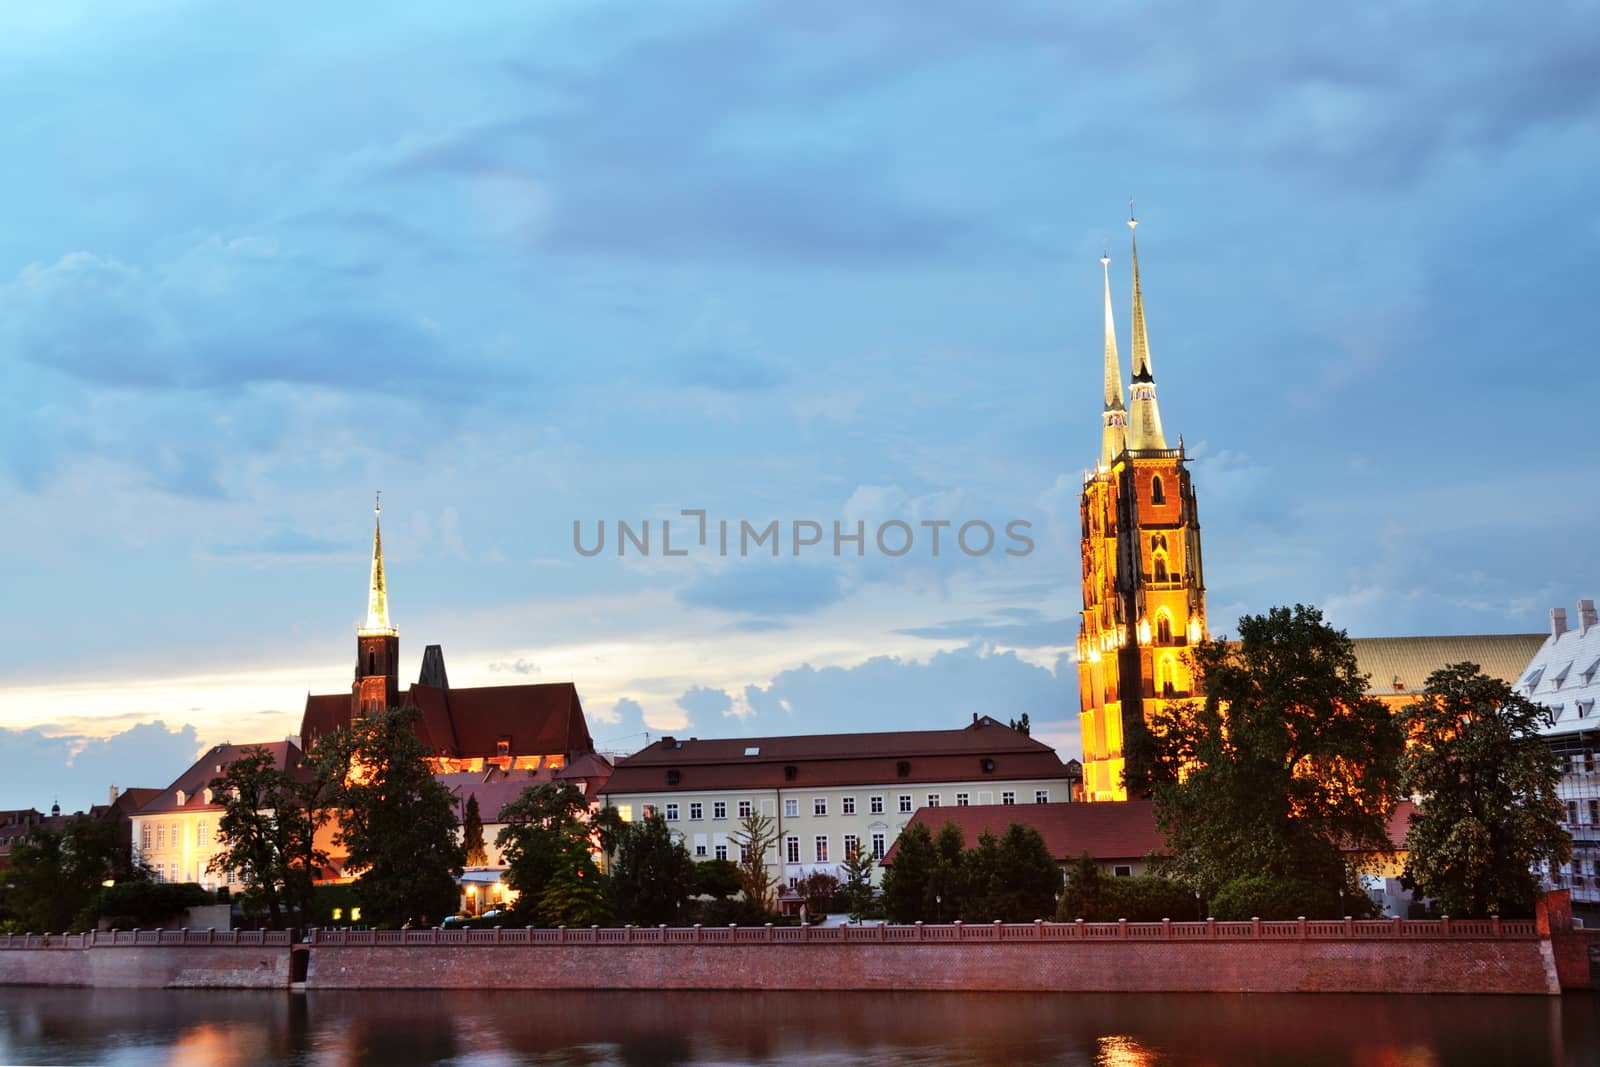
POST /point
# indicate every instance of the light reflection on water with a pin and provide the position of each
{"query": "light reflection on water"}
(147, 1028)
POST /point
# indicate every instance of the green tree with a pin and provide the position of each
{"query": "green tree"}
(546, 838)
(1285, 762)
(652, 874)
(818, 890)
(55, 876)
(947, 888)
(858, 865)
(1087, 893)
(907, 882)
(756, 838)
(472, 834)
(1011, 877)
(1488, 811)
(718, 879)
(255, 832)
(574, 897)
(398, 823)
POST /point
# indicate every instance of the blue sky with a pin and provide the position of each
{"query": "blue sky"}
(523, 265)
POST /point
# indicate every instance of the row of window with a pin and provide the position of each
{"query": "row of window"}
(1573, 812)
(164, 831)
(819, 805)
(820, 847)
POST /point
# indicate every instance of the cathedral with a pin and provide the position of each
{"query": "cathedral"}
(1144, 593)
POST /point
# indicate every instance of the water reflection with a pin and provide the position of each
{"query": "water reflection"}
(135, 1028)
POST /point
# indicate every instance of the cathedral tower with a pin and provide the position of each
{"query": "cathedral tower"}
(377, 684)
(1143, 584)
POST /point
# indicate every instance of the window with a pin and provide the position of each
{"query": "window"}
(819, 805)
(875, 805)
(144, 837)
(1594, 812)
(847, 805)
(822, 848)
(905, 804)
(372, 663)
(933, 800)
(697, 810)
(1122, 870)
(625, 812)
(1008, 797)
(878, 844)
(502, 747)
(201, 837)
(745, 809)
(722, 852)
(699, 852)
(963, 800)
(1163, 620)
(1572, 813)
(791, 809)
(852, 845)
(1041, 796)
(1161, 576)
(647, 810)
(792, 848)
(672, 812)
(719, 809)
(161, 837)
(744, 852)
(1157, 495)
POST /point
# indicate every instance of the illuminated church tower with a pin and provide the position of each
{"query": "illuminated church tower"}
(377, 684)
(1143, 586)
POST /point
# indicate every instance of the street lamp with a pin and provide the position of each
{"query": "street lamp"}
(938, 908)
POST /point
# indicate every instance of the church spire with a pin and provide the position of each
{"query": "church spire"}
(377, 624)
(1144, 425)
(1114, 435)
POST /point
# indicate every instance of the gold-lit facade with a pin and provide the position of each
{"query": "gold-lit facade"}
(1143, 579)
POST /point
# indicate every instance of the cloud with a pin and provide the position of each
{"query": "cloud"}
(1030, 629)
(705, 705)
(765, 587)
(516, 666)
(39, 767)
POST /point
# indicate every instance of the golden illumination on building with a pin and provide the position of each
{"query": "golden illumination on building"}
(1142, 571)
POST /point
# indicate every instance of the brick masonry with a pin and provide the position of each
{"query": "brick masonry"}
(1457, 965)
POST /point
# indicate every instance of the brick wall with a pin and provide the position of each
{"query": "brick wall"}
(167, 967)
(1457, 966)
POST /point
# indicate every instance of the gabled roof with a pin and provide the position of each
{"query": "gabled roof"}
(1399, 665)
(822, 760)
(543, 719)
(193, 782)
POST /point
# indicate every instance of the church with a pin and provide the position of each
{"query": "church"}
(509, 736)
(1144, 591)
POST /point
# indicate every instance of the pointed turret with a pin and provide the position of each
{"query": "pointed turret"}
(377, 624)
(1114, 435)
(1144, 422)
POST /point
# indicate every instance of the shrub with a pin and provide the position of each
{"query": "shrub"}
(146, 904)
(1264, 896)
(1145, 898)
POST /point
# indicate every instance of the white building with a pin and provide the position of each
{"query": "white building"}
(827, 794)
(1564, 676)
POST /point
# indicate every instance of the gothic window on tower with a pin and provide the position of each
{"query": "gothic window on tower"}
(1163, 620)
(1161, 567)
(372, 663)
(1156, 495)
(1168, 676)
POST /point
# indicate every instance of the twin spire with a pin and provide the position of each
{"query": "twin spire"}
(1138, 427)
(377, 624)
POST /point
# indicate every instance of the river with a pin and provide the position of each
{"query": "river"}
(334, 1029)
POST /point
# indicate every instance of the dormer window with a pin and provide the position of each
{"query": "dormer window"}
(502, 747)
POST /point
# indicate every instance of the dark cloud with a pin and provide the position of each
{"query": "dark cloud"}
(39, 767)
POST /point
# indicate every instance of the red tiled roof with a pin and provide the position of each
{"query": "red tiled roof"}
(213, 764)
(837, 759)
(541, 719)
(1112, 830)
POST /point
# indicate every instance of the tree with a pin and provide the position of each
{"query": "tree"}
(55, 876)
(818, 889)
(254, 833)
(398, 823)
(858, 864)
(947, 888)
(756, 838)
(546, 840)
(1087, 892)
(718, 879)
(907, 882)
(1286, 762)
(472, 834)
(1011, 877)
(652, 874)
(1488, 812)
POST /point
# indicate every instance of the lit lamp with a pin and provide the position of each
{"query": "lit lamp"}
(1194, 629)
(1144, 631)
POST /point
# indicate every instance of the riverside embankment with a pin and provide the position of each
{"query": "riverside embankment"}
(1382, 956)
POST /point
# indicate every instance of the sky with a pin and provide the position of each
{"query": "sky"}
(525, 266)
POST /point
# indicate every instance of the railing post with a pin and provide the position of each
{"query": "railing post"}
(1444, 924)
(919, 929)
(1077, 928)
(1395, 926)
(769, 931)
(698, 935)
(1300, 931)
(1166, 928)
(1038, 929)
(1494, 926)
(1255, 926)
(211, 935)
(1122, 927)
(627, 933)
(1211, 926)
(1349, 926)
